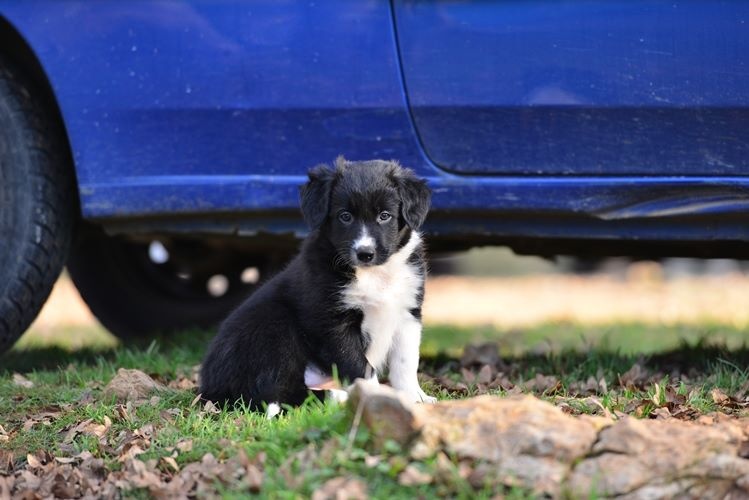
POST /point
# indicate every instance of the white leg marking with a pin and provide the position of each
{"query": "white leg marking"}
(380, 325)
(404, 360)
(273, 410)
(337, 395)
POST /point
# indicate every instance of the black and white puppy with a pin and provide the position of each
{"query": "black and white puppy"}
(351, 299)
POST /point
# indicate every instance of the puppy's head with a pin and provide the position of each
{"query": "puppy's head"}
(365, 209)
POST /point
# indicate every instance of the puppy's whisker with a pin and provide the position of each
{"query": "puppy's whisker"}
(341, 261)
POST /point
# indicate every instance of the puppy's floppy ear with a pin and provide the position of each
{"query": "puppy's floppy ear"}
(315, 195)
(415, 197)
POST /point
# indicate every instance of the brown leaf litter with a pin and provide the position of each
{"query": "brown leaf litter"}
(83, 475)
(341, 488)
(70, 475)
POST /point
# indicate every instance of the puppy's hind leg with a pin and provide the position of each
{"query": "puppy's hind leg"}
(272, 410)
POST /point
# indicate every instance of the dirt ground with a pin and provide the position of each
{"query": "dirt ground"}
(642, 295)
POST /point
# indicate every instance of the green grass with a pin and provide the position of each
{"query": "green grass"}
(624, 338)
(69, 372)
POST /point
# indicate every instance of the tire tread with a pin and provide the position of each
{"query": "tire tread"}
(52, 211)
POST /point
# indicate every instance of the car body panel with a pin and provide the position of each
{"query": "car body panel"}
(174, 92)
(633, 87)
(205, 116)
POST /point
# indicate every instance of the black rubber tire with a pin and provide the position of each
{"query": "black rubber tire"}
(38, 204)
(132, 298)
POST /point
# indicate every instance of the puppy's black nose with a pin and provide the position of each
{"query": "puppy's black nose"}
(365, 254)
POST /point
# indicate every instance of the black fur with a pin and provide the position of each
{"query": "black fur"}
(261, 351)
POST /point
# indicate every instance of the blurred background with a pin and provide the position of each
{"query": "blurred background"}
(177, 134)
(526, 304)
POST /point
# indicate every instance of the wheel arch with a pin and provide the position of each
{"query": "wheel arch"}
(17, 50)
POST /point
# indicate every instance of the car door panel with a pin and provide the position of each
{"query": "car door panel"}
(579, 87)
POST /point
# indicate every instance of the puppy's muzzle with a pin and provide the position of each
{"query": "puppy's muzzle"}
(363, 249)
(364, 254)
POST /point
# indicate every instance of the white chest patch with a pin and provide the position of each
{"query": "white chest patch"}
(385, 294)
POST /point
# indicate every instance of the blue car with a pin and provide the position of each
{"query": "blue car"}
(156, 147)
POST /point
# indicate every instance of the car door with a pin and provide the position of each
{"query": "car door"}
(579, 87)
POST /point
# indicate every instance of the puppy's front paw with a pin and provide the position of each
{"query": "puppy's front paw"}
(418, 396)
(337, 395)
(425, 398)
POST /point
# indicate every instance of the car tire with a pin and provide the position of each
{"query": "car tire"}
(136, 298)
(38, 204)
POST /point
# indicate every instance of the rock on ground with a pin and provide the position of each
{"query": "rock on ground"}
(132, 385)
(523, 441)
(665, 458)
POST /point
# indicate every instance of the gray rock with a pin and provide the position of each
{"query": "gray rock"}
(523, 441)
(663, 459)
(386, 412)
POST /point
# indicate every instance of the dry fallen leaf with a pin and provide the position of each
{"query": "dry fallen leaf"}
(134, 443)
(22, 381)
(486, 374)
(124, 412)
(599, 406)
(672, 396)
(98, 430)
(209, 407)
(719, 397)
(170, 414)
(467, 375)
(6, 486)
(661, 413)
(479, 355)
(254, 478)
(543, 384)
(341, 488)
(45, 417)
(196, 400)
(6, 462)
(183, 384)
(634, 377)
(33, 461)
(253, 470)
(130, 452)
(413, 476)
(724, 400)
(184, 445)
(456, 388)
(88, 428)
(171, 462)
(142, 475)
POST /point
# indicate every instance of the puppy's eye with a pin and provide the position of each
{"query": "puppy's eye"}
(345, 217)
(385, 216)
